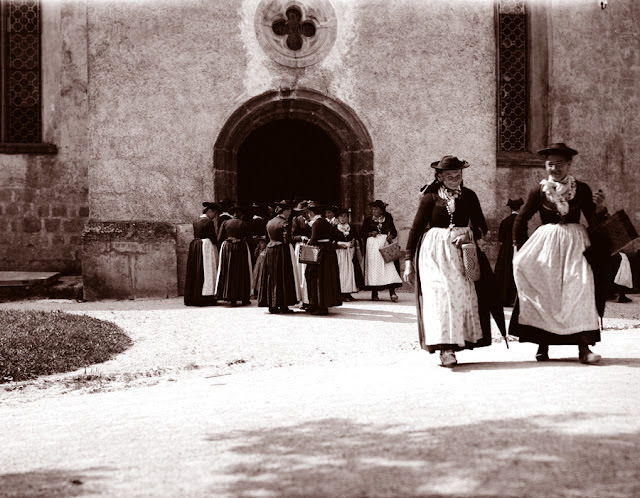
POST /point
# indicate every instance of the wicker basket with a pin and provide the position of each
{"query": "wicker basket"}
(309, 255)
(390, 252)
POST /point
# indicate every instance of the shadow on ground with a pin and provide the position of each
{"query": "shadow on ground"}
(554, 362)
(50, 483)
(506, 458)
(375, 315)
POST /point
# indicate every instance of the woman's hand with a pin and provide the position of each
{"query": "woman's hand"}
(460, 239)
(373, 234)
(389, 238)
(408, 272)
(599, 199)
(304, 239)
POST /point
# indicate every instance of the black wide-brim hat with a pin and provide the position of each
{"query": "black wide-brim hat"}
(211, 205)
(316, 207)
(378, 203)
(448, 163)
(558, 148)
(284, 204)
(515, 203)
(301, 206)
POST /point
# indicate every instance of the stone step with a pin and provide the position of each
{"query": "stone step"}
(20, 285)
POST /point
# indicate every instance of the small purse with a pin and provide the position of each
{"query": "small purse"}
(470, 261)
(390, 252)
(309, 255)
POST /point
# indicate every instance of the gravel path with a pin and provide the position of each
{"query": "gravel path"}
(235, 402)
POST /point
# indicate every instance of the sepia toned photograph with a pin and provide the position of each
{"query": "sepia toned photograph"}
(319, 248)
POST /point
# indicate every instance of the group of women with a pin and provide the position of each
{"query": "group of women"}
(240, 254)
(553, 269)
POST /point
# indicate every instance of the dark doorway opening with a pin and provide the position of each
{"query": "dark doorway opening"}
(288, 159)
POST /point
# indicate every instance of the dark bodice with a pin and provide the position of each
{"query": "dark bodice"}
(257, 226)
(321, 230)
(203, 228)
(278, 231)
(432, 213)
(537, 203)
(300, 228)
(234, 228)
(386, 227)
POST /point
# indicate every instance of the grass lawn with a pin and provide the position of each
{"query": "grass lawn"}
(34, 343)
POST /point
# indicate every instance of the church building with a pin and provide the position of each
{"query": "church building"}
(120, 117)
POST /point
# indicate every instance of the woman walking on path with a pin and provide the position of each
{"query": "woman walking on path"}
(504, 263)
(323, 280)
(277, 284)
(447, 304)
(378, 231)
(233, 282)
(555, 283)
(202, 261)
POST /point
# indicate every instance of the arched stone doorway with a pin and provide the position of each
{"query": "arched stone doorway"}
(321, 116)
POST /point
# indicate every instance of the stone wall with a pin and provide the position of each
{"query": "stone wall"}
(594, 99)
(44, 197)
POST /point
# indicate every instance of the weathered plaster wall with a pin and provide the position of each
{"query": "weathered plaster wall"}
(163, 76)
(43, 198)
(595, 95)
(419, 74)
(423, 81)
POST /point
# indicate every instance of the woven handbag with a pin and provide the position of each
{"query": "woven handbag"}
(390, 252)
(309, 255)
(470, 261)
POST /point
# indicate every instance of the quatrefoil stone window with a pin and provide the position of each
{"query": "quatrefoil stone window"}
(296, 33)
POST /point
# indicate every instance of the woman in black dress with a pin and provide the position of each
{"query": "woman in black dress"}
(202, 261)
(235, 270)
(277, 283)
(323, 280)
(504, 263)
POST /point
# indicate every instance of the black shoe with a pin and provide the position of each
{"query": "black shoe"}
(374, 296)
(286, 311)
(543, 353)
(320, 311)
(585, 355)
(393, 296)
(274, 311)
(622, 298)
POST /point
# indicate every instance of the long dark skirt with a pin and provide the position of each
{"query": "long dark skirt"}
(195, 277)
(234, 272)
(323, 280)
(277, 284)
(529, 333)
(504, 275)
(258, 272)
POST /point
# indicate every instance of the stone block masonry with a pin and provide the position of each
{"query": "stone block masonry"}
(41, 231)
(129, 259)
